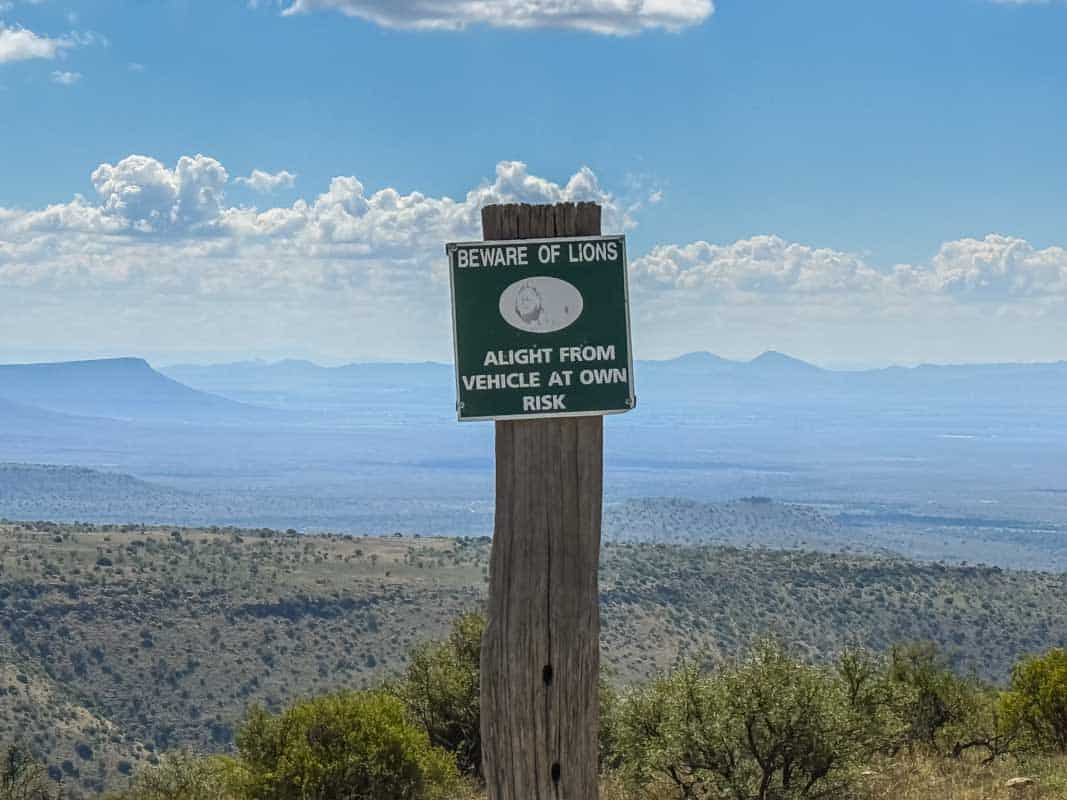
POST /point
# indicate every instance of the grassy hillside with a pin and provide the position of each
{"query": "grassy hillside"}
(149, 639)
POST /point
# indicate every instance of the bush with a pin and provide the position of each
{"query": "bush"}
(441, 692)
(355, 745)
(917, 701)
(879, 703)
(179, 776)
(22, 778)
(933, 701)
(767, 728)
(1038, 698)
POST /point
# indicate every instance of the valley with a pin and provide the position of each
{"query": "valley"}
(125, 641)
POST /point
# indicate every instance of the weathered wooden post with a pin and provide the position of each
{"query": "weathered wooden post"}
(541, 651)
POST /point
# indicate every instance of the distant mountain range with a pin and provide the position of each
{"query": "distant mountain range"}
(118, 388)
(701, 376)
(376, 447)
(130, 389)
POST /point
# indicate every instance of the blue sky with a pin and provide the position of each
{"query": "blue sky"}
(853, 182)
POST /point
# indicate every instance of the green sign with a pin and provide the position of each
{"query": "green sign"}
(541, 328)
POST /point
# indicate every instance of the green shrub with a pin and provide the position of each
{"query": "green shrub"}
(1038, 698)
(608, 751)
(985, 725)
(179, 776)
(932, 700)
(878, 703)
(352, 745)
(767, 728)
(441, 692)
(22, 778)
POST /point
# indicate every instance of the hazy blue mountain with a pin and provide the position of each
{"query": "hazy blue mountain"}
(964, 457)
(15, 415)
(39, 491)
(118, 388)
(772, 380)
(293, 384)
(780, 364)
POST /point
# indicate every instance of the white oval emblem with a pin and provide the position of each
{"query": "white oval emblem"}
(540, 304)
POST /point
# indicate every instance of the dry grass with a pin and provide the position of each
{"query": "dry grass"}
(925, 778)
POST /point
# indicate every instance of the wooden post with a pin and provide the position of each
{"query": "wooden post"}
(541, 651)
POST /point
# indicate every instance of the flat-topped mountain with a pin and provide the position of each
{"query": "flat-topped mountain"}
(117, 388)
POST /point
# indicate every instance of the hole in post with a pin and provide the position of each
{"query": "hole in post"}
(546, 674)
(555, 772)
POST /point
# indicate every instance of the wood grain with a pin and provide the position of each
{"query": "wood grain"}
(541, 651)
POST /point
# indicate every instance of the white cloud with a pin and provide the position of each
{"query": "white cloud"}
(266, 182)
(156, 227)
(66, 78)
(770, 269)
(21, 44)
(361, 272)
(149, 197)
(1000, 266)
(763, 265)
(994, 298)
(616, 17)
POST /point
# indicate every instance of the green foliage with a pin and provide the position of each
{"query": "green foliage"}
(179, 776)
(769, 728)
(985, 726)
(610, 703)
(441, 692)
(878, 703)
(932, 699)
(22, 778)
(920, 702)
(1038, 698)
(352, 745)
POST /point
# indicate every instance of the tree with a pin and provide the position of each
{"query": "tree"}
(873, 698)
(441, 692)
(986, 725)
(179, 776)
(769, 728)
(22, 778)
(933, 698)
(1038, 698)
(352, 745)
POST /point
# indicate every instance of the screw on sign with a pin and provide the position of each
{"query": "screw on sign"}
(542, 338)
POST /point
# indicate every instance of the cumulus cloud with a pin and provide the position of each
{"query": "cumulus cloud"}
(765, 265)
(999, 268)
(266, 182)
(22, 44)
(141, 192)
(614, 17)
(993, 298)
(155, 226)
(150, 219)
(370, 263)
